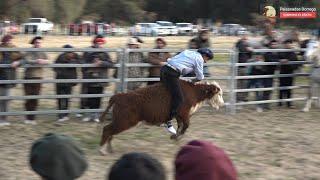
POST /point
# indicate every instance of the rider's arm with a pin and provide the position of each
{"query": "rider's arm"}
(199, 69)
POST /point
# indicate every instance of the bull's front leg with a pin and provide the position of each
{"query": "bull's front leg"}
(179, 130)
(309, 99)
(183, 124)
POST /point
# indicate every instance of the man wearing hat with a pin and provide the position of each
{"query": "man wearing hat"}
(135, 57)
(157, 58)
(201, 41)
(11, 58)
(57, 157)
(102, 62)
(33, 73)
(184, 63)
(245, 53)
(65, 73)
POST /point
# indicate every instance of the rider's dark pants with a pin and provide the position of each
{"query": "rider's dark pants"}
(170, 78)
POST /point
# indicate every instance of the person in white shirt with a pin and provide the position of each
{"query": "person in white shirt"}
(183, 63)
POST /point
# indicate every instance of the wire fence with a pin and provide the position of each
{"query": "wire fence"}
(225, 71)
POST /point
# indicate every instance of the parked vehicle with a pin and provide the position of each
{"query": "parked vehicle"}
(103, 28)
(169, 26)
(9, 27)
(119, 31)
(148, 29)
(186, 29)
(35, 25)
(215, 30)
(232, 29)
(89, 28)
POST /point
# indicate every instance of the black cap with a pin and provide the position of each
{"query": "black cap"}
(67, 46)
(206, 51)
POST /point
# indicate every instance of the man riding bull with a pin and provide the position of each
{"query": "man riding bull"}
(184, 63)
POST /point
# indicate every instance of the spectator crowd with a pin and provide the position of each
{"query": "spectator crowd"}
(102, 62)
(58, 157)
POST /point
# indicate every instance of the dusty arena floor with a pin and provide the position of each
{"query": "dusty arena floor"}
(279, 144)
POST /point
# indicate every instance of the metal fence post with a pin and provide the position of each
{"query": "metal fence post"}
(124, 68)
(233, 82)
(119, 71)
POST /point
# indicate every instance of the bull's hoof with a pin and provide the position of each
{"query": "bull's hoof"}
(103, 152)
(110, 150)
(305, 110)
(174, 137)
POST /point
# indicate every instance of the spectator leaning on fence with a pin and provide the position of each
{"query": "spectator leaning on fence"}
(158, 59)
(101, 61)
(137, 166)
(269, 70)
(256, 83)
(135, 57)
(270, 35)
(65, 73)
(9, 58)
(192, 44)
(57, 157)
(286, 57)
(245, 53)
(33, 73)
(201, 41)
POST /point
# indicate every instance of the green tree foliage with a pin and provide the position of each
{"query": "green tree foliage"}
(131, 11)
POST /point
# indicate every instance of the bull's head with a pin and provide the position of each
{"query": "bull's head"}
(214, 91)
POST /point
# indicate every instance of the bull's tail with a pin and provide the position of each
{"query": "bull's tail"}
(104, 114)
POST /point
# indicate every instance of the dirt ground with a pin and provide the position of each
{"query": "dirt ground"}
(277, 144)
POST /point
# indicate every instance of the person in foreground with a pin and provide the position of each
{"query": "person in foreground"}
(56, 157)
(203, 160)
(137, 166)
(183, 63)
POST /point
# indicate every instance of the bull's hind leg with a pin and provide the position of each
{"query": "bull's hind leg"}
(109, 131)
(106, 139)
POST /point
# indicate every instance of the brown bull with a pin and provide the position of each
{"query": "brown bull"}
(152, 105)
